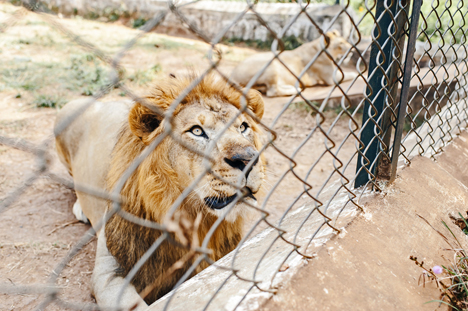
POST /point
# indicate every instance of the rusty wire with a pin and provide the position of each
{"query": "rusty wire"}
(442, 105)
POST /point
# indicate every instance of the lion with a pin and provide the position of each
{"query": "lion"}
(277, 80)
(99, 146)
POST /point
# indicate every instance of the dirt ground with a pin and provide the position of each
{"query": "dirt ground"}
(369, 268)
(42, 69)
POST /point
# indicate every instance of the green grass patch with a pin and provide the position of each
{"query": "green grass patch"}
(78, 75)
(49, 101)
(313, 107)
(417, 122)
(142, 77)
(139, 22)
(304, 107)
(87, 74)
(290, 43)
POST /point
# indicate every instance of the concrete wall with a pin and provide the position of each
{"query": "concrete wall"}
(213, 16)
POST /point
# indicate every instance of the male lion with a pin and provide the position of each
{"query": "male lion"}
(276, 80)
(99, 146)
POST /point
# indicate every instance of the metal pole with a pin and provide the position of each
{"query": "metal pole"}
(406, 86)
(382, 79)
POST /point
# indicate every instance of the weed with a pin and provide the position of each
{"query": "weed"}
(137, 23)
(48, 101)
(46, 40)
(290, 42)
(302, 106)
(91, 15)
(417, 122)
(24, 41)
(87, 74)
(287, 127)
(312, 108)
(453, 284)
(142, 77)
(114, 15)
(29, 86)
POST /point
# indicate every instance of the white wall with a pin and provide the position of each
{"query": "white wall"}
(213, 16)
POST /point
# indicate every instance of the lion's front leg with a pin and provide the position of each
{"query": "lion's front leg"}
(349, 75)
(283, 86)
(107, 285)
(340, 76)
(78, 212)
(281, 90)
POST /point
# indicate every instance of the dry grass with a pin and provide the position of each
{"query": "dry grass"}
(452, 279)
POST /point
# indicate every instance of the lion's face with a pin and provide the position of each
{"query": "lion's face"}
(207, 122)
(202, 126)
(338, 45)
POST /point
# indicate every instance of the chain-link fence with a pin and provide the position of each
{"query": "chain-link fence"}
(187, 223)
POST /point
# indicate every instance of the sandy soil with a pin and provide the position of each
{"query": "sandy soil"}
(39, 229)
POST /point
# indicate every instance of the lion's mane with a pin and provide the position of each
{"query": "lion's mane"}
(153, 188)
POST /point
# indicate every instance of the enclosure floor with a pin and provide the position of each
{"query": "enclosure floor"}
(39, 229)
(369, 267)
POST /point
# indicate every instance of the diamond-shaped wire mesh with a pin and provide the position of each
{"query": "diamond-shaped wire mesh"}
(237, 204)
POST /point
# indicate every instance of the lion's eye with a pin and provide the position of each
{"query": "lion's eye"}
(243, 127)
(197, 131)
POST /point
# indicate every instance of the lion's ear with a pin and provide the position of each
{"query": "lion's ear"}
(333, 33)
(255, 102)
(143, 121)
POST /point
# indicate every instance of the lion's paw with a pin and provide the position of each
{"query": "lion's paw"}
(78, 212)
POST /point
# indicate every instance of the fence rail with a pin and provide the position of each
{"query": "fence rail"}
(407, 96)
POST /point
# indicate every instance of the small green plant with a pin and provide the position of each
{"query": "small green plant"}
(302, 106)
(91, 15)
(113, 14)
(142, 77)
(48, 101)
(29, 86)
(137, 23)
(290, 42)
(313, 107)
(24, 41)
(452, 280)
(417, 122)
(87, 74)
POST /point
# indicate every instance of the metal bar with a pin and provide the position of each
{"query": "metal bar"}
(379, 64)
(383, 168)
(406, 86)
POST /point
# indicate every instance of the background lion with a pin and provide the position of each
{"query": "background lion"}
(277, 80)
(102, 142)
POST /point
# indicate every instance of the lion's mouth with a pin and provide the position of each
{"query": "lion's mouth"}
(219, 203)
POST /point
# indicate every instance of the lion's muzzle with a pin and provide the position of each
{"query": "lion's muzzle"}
(242, 158)
(219, 203)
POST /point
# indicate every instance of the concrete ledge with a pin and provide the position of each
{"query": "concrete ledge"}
(261, 258)
(369, 268)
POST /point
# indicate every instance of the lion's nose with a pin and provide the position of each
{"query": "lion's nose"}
(240, 160)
